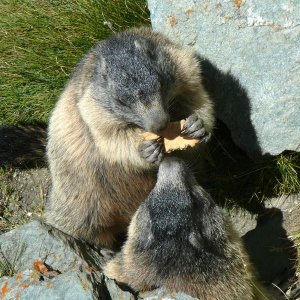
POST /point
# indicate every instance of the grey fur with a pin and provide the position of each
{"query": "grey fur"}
(181, 240)
(101, 168)
(152, 151)
(193, 127)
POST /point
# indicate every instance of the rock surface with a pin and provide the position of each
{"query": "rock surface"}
(43, 263)
(251, 64)
(47, 264)
(270, 239)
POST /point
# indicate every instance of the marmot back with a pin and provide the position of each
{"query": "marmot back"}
(101, 169)
(179, 239)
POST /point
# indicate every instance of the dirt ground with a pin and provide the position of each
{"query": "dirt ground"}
(22, 196)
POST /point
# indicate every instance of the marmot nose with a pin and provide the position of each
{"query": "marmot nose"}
(156, 122)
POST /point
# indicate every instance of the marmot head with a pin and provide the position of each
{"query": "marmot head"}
(138, 75)
(181, 212)
(170, 202)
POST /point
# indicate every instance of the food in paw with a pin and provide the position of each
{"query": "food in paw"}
(173, 139)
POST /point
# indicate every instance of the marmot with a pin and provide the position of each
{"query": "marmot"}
(101, 170)
(181, 240)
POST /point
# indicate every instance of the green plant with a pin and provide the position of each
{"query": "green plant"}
(41, 42)
(288, 174)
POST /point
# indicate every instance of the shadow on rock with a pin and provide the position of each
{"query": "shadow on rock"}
(232, 105)
(234, 178)
(271, 251)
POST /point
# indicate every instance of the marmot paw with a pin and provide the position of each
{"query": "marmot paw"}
(194, 128)
(152, 151)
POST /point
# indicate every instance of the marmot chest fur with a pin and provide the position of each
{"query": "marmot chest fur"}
(101, 169)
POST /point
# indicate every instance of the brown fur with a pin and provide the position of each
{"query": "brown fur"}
(99, 178)
(136, 269)
(181, 240)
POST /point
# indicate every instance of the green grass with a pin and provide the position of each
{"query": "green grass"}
(41, 42)
(288, 172)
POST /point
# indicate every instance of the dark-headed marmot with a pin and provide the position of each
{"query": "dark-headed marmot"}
(101, 169)
(179, 239)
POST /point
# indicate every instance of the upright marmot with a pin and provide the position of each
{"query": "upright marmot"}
(101, 169)
(179, 239)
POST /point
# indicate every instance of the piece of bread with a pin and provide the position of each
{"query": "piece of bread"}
(173, 140)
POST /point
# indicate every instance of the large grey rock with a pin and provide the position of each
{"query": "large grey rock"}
(49, 264)
(252, 64)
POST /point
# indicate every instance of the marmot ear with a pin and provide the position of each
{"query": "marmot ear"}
(146, 47)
